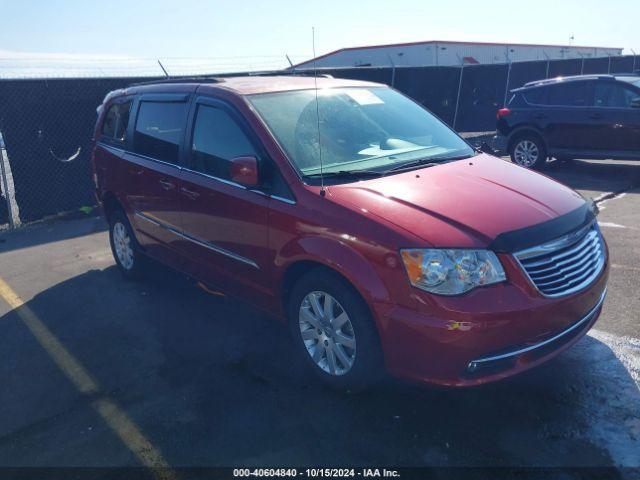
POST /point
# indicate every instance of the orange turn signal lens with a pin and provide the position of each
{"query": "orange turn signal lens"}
(413, 263)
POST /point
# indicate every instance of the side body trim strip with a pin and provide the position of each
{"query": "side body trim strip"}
(199, 241)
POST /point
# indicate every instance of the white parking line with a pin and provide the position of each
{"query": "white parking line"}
(113, 415)
(611, 225)
(606, 197)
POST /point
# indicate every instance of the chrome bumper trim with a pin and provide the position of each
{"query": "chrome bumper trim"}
(474, 364)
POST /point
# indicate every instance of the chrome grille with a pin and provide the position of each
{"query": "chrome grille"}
(567, 264)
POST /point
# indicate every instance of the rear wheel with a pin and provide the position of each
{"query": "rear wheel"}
(124, 247)
(333, 331)
(528, 150)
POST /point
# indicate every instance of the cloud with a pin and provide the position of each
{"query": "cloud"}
(26, 65)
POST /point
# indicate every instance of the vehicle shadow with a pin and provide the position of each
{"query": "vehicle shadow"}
(64, 228)
(596, 176)
(212, 382)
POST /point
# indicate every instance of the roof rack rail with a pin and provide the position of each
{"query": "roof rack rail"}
(547, 81)
(192, 79)
(218, 78)
(287, 73)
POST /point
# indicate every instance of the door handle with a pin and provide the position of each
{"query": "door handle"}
(595, 115)
(136, 171)
(166, 184)
(189, 193)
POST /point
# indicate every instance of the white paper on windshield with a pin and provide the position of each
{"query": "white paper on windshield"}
(364, 97)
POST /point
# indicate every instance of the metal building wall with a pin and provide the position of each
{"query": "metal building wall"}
(452, 54)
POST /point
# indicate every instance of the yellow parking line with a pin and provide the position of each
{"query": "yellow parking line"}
(113, 415)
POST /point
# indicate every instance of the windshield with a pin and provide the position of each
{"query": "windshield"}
(361, 129)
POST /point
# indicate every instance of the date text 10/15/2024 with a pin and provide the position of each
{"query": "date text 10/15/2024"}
(316, 472)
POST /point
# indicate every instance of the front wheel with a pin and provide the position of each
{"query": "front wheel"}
(528, 150)
(333, 332)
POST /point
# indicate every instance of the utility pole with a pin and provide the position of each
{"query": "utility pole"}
(5, 187)
(393, 70)
(506, 88)
(455, 114)
(548, 62)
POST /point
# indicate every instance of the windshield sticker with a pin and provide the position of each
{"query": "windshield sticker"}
(364, 97)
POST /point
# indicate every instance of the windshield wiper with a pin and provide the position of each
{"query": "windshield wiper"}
(425, 162)
(346, 173)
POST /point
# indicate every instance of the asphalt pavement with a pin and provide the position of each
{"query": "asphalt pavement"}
(99, 371)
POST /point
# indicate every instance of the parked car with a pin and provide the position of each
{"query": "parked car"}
(586, 116)
(352, 213)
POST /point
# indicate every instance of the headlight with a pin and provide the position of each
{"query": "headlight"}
(451, 272)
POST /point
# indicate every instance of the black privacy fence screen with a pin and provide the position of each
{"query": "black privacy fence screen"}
(46, 125)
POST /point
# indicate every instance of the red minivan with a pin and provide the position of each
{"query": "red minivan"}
(349, 211)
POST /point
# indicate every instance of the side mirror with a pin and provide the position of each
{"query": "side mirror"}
(635, 103)
(244, 170)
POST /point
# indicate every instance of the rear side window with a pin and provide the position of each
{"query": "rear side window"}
(217, 138)
(116, 121)
(573, 94)
(613, 95)
(536, 96)
(517, 100)
(159, 129)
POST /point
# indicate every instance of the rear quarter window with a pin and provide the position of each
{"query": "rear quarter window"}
(517, 100)
(114, 126)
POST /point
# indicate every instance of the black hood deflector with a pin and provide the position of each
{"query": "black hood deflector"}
(516, 240)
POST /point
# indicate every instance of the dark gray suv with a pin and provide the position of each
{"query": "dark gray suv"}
(586, 116)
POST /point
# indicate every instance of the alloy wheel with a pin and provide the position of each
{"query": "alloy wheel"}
(526, 153)
(327, 333)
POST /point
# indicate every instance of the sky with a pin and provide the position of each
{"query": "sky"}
(258, 34)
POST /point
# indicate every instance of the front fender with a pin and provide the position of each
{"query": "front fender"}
(341, 255)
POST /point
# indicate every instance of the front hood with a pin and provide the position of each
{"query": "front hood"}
(466, 203)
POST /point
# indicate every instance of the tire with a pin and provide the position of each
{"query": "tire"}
(124, 246)
(528, 150)
(354, 345)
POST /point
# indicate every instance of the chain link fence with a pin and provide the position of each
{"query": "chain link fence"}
(46, 128)
(46, 124)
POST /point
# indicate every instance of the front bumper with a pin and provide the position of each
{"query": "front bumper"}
(487, 335)
(498, 360)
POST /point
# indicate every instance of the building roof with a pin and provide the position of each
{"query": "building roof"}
(447, 42)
